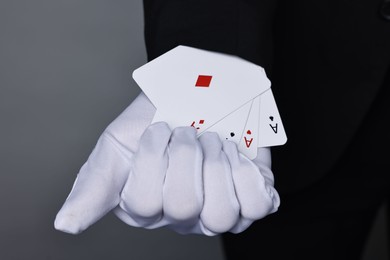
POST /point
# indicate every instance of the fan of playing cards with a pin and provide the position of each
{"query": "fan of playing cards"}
(213, 92)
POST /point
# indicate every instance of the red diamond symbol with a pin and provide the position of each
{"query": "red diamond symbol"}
(203, 81)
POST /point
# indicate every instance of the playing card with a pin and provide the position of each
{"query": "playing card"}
(249, 138)
(190, 86)
(271, 130)
(197, 123)
(232, 126)
(228, 128)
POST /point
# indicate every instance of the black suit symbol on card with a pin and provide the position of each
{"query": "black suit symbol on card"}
(274, 127)
(201, 122)
(248, 141)
(232, 134)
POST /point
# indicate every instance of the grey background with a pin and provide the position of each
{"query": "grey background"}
(65, 74)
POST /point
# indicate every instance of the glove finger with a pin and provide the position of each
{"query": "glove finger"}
(130, 220)
(142, 194)
(97, 187)
(263, 162)
(241, 225)
(221, 209)
(183, 191)
(255, 196)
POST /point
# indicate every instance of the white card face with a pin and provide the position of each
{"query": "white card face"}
(271, 130)
(249, 138)
(232, 126)
(191, 85)
(198, 123)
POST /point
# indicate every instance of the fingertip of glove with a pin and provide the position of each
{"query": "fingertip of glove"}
(209, 137)
(230, 147)
(185, 130)
(184, 137)
(211, 145)
(160, 126)
(157, 132)
(67, 224)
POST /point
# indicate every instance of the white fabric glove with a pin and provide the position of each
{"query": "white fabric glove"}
(156, 177)
(96, 190)
(165, 182)
(237, 191)
(192, 185)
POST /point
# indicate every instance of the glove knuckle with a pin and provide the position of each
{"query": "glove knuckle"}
(219, 221)
(150, 210)
(182, 212)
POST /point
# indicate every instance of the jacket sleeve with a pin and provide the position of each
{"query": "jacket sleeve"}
(239, 27)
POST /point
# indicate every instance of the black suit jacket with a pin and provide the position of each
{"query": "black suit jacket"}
(326, 61)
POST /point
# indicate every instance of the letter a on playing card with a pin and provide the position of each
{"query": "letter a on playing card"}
(189, 85)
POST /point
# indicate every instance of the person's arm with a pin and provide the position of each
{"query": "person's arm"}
(145, 181)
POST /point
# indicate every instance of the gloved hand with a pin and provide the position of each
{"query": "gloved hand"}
(98, 185)
(168, 178)
(237, 191)
(192, 185)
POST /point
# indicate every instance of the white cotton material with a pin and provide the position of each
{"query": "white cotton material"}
(92, 196)
(100, 180)
(142, 194)
(164, 187)
(221, 209)
(183, 187)
(253, 184)
(152, 176)
(129, 126)
(253, 193)
(263, 161)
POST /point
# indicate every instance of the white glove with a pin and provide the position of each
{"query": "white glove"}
(237, 191)
(170, 184)
(165, 182)
(97, 187)
(168, 178)
(254, 185)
